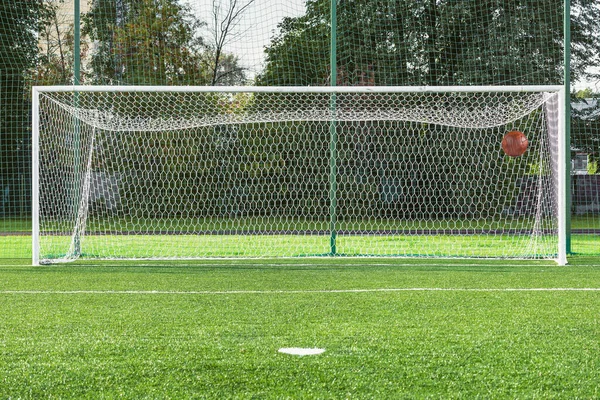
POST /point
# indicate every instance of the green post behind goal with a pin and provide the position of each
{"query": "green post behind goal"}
(213, 172)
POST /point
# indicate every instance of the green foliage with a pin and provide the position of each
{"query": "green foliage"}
(299, 54)
(145, 42)
(586, 93)
(18, 43)
(593, 168)
(433, 43)
(585, 126)
(55, 65)
(19, 23)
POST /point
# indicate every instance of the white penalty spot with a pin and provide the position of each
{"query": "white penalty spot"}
(299, 351)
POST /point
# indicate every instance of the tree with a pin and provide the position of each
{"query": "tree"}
(585, 36)
(228, 71)
(145, 42)
(585, 124)
(224, 29)
(436, 42)
(56, 56)
(21, 21)
(299, 54)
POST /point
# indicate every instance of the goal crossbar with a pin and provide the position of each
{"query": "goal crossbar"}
(301, 89)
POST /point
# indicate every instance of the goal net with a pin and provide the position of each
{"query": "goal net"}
(203, 172)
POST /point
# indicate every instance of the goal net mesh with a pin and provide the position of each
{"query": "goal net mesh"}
(183, 175)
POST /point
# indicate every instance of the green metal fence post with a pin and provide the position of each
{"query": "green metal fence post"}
(76, 41)
(567, 138)
(333, 134)
(76, 127)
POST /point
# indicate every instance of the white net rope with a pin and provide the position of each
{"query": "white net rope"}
(130, 112)
(146, 175)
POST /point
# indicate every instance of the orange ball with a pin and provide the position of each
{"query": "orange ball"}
(514, 143)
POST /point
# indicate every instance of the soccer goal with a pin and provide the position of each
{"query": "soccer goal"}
(224, 172)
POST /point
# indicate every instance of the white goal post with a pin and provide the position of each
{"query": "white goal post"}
(135, 172)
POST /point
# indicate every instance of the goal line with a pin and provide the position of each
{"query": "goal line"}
(283, 292)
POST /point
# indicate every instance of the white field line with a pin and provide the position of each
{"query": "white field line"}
(309, 291)
(336, 263)
(252, 263)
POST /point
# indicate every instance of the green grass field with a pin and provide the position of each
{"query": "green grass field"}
(311, 238)
(391, 328)
(219, 246)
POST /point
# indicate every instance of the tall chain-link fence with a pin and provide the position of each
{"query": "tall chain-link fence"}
(289, 43)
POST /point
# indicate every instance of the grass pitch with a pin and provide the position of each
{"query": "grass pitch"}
(390, 329)
(15, 238)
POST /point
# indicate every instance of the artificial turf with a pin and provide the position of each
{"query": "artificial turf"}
(390, 328)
